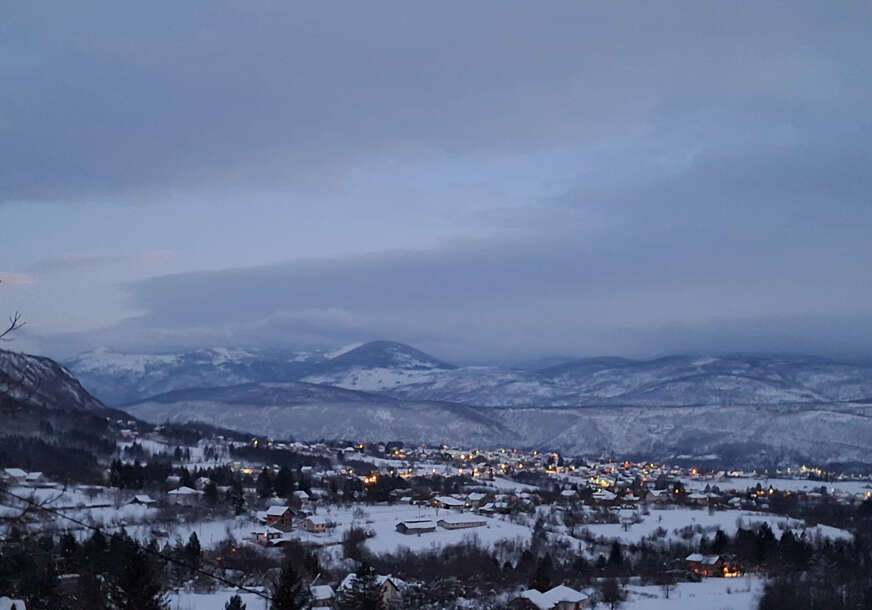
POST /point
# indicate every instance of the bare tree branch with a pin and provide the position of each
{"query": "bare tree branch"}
(15, 322)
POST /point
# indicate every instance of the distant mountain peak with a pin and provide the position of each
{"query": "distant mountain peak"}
(342, 350)
(389, 354)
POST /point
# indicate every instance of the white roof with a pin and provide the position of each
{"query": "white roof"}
(185, 491)
(449, 501)
(380, 579)
(567, 493)
(706, 559)
(552, 597)
(476, 496)
(17, 473)
(604, 494)
(143, 499)
(416, 524)
(458, 520)
(6, 603)
(277, 511)
(317, 520)
(320, 592)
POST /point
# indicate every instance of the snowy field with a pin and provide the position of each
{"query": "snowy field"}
(382, 520)
(727, 520)
(214, 601)
(711, 594)
(99, 507)
(741, 484)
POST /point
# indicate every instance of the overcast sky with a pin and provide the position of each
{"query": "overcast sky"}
(485, 180)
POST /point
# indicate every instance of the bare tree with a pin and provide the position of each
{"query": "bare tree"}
(15, 322)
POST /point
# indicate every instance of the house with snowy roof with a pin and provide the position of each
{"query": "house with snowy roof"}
(449, 502)
(315, 525)
(185, 495)
(560, 597)
(14, 476)
(322, 596)
(279, 516)
(142, 499)
(705, 565)
(421, 526)
(389, 585)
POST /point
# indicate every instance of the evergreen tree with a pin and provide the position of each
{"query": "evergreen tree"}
(191, 554)
(363, 593)
(91, 591)
(134, 585)
(236, 497)
(541, 578)
(264, 484)
(289, 592)
(192, 550)
(234, 603)
(284, 482)
(611, 593)
(616, 555)
(39, 584)
(210, 493)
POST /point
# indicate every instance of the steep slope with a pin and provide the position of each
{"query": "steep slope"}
(42, 382)
(269, 394)
(415, 422)
(737, 434)
(750, 434)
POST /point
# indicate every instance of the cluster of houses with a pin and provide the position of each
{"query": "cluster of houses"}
(560, 597)
(21, 478)
(278, 520)
(324, 596)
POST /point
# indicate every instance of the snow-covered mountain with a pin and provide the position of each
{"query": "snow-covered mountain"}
(738, 434)
(769, 407)
(118, 378)
(670, 381)
(42, 382)
(402, 372)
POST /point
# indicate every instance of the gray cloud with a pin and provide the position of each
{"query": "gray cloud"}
(115, 99)
(79, 261)
(629, 180)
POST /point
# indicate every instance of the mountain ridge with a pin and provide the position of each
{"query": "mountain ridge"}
(402, 372)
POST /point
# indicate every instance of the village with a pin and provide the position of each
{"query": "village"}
(575, 525)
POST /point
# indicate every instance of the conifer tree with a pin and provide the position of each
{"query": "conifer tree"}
(134, 585)
(541, 578)
(289, 591)
(234, 603)
(363, 593)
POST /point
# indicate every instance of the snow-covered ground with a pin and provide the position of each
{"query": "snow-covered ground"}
(710, 594)
(741, 484)
(98, 507)
(382, 520)
(676, 519)
(214, 601)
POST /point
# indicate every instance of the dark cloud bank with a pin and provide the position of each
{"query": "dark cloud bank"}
(716, 192)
